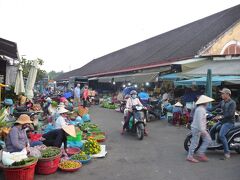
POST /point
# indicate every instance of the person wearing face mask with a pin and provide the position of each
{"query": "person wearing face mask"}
(132, 101)
(17, 139)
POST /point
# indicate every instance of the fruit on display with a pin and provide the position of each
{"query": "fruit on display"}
(82, 156)
(50, 152)
(91, 146)
(68, 164)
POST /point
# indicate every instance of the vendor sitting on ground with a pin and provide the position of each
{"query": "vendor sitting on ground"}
(62, 118)
(17, 138)
(58, 136)
(177, 113)
(22, 100)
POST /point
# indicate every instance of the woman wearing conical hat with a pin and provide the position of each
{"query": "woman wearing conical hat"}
(199, 129)
(61, 120)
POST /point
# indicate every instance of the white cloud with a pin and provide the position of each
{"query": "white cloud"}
(68, 34)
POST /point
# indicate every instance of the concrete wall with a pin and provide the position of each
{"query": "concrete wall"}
(230, 37)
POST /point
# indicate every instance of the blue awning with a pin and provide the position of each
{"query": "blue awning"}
(216, 81)
(171, 77)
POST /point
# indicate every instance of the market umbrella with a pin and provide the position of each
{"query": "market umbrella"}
(127, 90)
(19, 84)
(31, 80)
(209, 84)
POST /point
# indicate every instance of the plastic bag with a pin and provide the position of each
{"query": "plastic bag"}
(86, 118)
(9, 158)
(35, 152)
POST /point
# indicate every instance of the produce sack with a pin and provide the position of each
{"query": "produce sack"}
(9, 158)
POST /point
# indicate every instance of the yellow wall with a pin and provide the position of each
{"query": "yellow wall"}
(218, 45)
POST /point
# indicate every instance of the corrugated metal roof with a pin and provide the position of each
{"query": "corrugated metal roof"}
(182, 43)
(8, 48)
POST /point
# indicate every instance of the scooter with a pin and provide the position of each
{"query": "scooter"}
(154, 110)
(138, 121)
(233, 139)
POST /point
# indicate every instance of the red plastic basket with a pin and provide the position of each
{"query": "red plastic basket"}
(47, 166)
(72, 151)
(25, 173)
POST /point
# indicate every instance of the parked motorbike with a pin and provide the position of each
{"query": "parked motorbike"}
(23, 110)
(154, 110)
(233, 137)
(138, 121)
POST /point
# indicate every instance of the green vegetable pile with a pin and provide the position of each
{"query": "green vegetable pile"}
(89, 127)
(80, 157)
(109, 105)
(50, 152)
(24, 161)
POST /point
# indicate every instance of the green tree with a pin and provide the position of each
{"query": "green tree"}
(27, 64)
(53, 74)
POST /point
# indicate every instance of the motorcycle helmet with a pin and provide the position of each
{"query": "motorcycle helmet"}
(133, 92)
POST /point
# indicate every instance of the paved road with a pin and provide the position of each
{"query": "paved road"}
(160, 156)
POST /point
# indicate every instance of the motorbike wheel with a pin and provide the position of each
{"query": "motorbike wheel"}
(140, 131)
(187, 143)
(151, 117)
(237, 150)
(122, 107)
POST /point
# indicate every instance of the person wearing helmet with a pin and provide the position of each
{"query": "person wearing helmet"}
(132, 101)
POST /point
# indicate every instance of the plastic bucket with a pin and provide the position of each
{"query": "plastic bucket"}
(47, 166)
(24, 173)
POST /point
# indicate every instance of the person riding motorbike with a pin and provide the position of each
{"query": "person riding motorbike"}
(132, 101)
(226, 121)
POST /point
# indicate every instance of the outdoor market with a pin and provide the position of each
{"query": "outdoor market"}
(179, 89)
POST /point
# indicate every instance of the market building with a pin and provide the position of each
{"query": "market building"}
(8, 60)
(213, 41)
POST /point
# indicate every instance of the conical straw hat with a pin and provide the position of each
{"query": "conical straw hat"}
(70, 129)
(178, 104)
(62, 110)
(24, 119)
(204, 99)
